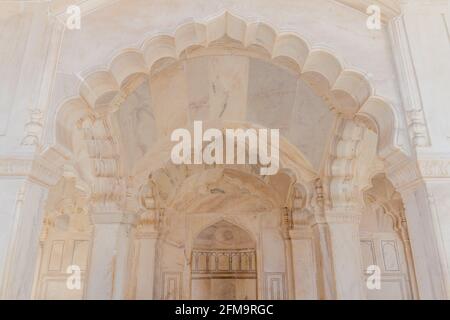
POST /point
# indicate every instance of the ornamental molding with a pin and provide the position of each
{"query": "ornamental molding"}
(434, 168)
(36, 169)
(409, 86)
(15, 167)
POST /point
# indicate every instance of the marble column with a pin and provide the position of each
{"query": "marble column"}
(303, 261)
(325, 272)
(438, 197)
(424, 243)
(343, 228)
(21, 218)
(145, 271)
(423, 76)
(109, 266)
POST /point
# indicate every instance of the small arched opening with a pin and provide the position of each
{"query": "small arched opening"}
(224, 264)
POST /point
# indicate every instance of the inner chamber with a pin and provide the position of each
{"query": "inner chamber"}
(224, 264)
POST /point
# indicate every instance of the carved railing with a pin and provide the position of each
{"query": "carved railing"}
(224, 261)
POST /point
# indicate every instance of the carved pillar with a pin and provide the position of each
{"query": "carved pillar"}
(110, 264)
(343, 228)
(303, 264)
(145, 273)
(321, 237)
(343, 210)
(24, 184)
(424, 243)
(147, 236)
(144, 200)
(435, 171)
(289, 249)
(438, 196)
(324, 263)
(428, 224)
(404, 235)
(302, 245)
(427, 227)
(109, 267)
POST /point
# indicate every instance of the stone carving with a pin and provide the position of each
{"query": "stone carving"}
(412, 101)
(302, 226)
(345, 149)
(38, 169)
(434, 168)
(33, 128)
(151, 216)
(418, 128)
(108, 189)
(224, 261)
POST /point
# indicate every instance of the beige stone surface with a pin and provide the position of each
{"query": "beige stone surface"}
(92, 207)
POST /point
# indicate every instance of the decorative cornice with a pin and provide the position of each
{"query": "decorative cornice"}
(345, 150)
(434, 168)
(36, 169)
(33, 128)
(109, 189)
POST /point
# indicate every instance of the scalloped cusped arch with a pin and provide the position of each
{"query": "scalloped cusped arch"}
(347, 91)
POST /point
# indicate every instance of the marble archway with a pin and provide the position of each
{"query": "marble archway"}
(223, 264)
(226, 234)
(385, 242)
(65, 91)
(110, 147)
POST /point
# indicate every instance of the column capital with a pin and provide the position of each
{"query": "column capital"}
(114, 218)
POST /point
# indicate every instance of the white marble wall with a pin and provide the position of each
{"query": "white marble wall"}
(43, 66)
